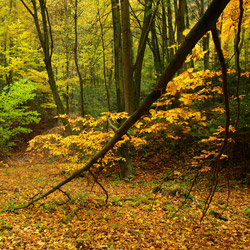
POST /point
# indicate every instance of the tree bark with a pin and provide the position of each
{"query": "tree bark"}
(205, 40)
(180, 24)
(118, 55)
(127, 57)
(206, 23)
(170, 30)
(46, 40)
(147, 21)
(104, 58)
(76, 60)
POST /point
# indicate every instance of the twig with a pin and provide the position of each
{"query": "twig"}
(102, 187)
(188, 194)
(65, 193)
(61, 171)
(111, 125)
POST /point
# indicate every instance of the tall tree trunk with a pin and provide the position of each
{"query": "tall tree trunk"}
(46, 40)
(164, 38)
(118, 55)
(180, 24)
(67, 86)
(104, 59)
(170, 30)
(127, 58)
(76, 60)
(8, 44)
(147, 22)
(158, 63)
(205, 40)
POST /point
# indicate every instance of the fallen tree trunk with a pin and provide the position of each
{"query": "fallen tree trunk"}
(206, 23)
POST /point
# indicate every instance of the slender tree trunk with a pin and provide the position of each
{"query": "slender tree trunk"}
(118, 55)
(104, 59)
(158, 63)
(76, 60)
(7, 49)
(147, 22)
(180, 24)
(170, 30)
(67, 86)
(46, 40)
(165, 51)
(205, 40)
(127, 58)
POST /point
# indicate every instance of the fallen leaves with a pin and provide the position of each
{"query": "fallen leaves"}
(133, 219)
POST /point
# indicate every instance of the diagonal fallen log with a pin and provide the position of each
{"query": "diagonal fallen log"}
(205, 24)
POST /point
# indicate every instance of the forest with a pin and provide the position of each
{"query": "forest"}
(124, 124)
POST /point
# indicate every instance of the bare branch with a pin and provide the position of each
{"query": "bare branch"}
(102, 187)
(27, 7)
(226, 103)
(111, 125)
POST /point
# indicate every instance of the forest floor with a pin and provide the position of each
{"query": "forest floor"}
(135, 217)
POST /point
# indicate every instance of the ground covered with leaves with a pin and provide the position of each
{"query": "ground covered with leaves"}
(141, 213)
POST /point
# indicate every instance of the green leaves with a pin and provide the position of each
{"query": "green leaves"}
(15, 112)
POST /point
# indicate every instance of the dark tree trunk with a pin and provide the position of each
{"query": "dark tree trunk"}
(127, 57)
(46, 40)
(147, 21)
(104, 59)
(180, 24)
(118, 55)
(170, 30)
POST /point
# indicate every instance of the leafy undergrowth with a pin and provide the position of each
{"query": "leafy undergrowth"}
(140, 213)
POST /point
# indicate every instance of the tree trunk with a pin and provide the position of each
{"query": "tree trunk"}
(76, 60)
(205, 40)
(46, 40)
(118, 55)
(158, 63)
(127, 58)
(104, 59)
(147, 21)
(164, 37)
(170, 30)
(180, 24)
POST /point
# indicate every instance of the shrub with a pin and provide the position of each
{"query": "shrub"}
(15, 113)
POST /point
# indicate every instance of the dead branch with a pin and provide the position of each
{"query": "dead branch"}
(102, 187)
(226, 103)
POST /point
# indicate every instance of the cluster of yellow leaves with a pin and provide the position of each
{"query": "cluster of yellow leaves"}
(90, 135)
(192, 87)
